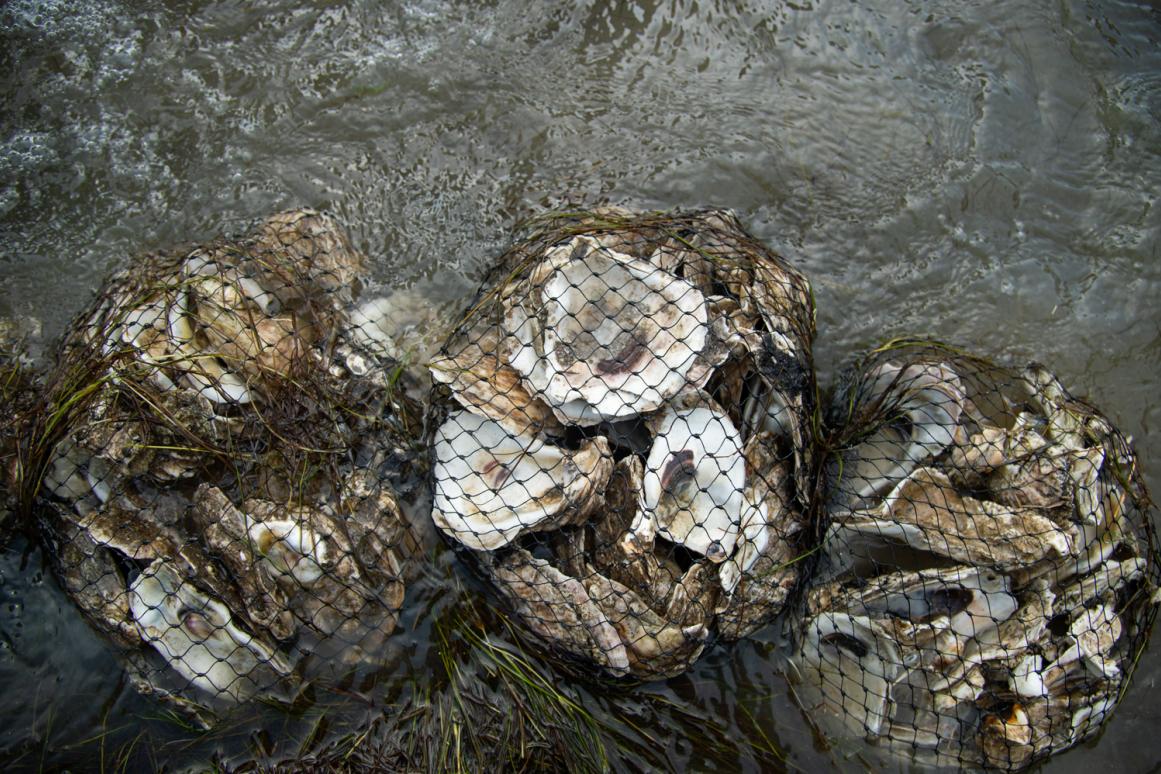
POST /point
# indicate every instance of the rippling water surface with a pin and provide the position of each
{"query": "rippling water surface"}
(979, 172)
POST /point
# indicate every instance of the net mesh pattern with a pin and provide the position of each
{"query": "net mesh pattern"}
(989, 562)
(622, 434)
(623, 437)
(220, 456)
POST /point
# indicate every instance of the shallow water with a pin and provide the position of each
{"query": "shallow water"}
(982, 173)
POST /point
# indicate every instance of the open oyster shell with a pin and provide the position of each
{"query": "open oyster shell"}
(491, 486)
(854, 664)
(603, 336)
(694, 490)
(198, 637)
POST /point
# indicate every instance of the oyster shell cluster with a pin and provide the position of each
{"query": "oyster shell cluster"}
(221, 501)
(985, 583)
(625, 443)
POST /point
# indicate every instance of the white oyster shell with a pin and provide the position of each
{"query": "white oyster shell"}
(755, 538)
(491, 486)
(197, 636)
(694, 491)
(854, 664)
(291, 547)
(605, 336)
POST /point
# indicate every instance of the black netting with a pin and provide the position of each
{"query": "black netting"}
(625, 441)
(622, 434)
(988, 562)
(219, 458)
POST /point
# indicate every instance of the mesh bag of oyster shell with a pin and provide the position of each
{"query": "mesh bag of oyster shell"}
(621, 434)
(989, 562)
(219, 465)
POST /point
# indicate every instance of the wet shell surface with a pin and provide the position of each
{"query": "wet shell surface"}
(604, 336)
(198, 637)
(491, 486)
(854, 664)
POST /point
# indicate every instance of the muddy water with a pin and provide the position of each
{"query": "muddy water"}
(979, 172)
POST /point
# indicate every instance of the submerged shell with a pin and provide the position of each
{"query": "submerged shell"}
(197, 636)
(854, 664)
(491, 486)
(605, 336)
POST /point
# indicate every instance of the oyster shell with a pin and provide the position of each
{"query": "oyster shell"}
(487, 385)
(243, 308)
(853, 663)
(967, 601)
(190, 347)
(603, 336)
(658, 644)
(491, 486)
(937, 618)
(923, 403)
(559, 609)
(229, 534)
(345, 598)
(926, 512)
(766, 566)
(650, 573)
(591, 615)
(645, 325)
(198, 637)
(304, 570)
(695, 483)
(1071, 423)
